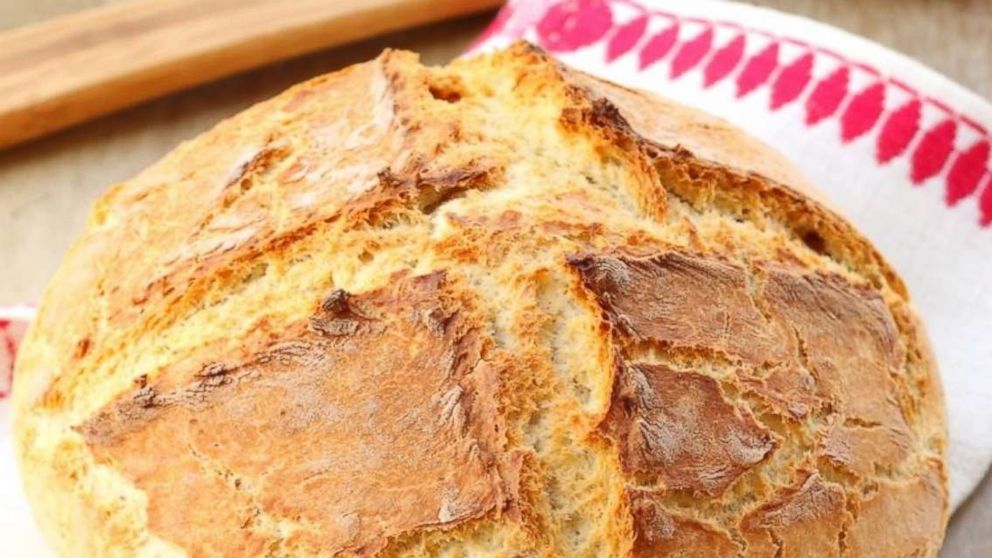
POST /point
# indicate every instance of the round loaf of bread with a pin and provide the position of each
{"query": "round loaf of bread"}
(498, 308)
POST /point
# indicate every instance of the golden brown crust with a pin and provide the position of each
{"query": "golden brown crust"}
(806, 519)
(673, 126)
(788, 391)
(326, 423)
(919, 506)
(641, 333)
(660, 534)
(684, 302)
(677, 428)
(838, 328)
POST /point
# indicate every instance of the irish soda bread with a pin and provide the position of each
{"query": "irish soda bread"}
(498, 308)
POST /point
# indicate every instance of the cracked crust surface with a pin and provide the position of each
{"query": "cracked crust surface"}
(497, 308)
(391, 383)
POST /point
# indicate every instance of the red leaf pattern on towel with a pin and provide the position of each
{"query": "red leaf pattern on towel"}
(966, 172)
(863, 112)
(985, 204)
(568, 26)
(626, 37)
(898, 131)
(791, 81)
(757, 70)
(933, 151)
(692, 52)
(827, 95)
(658, 46)
(724, 61)
(9, 346)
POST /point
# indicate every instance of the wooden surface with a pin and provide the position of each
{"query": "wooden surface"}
(66, 70)
(47, 186)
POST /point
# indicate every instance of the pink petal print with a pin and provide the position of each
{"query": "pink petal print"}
(626, 37)
(827, 96)
(7, 376)
(570, 25)
(933, 151)
(863, 112)
(985, 204)
(791, 81)
(898, 131)
(658, 46)
(967, 170)
(692, 52)
(757, 70)
(724, 61)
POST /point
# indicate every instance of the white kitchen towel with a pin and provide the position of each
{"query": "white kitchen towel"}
(901, 150)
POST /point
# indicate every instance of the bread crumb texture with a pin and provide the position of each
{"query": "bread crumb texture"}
(498, 308)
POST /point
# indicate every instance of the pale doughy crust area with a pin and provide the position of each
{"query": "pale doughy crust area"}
(497, 308)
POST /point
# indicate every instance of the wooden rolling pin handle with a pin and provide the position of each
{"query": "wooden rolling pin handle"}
(67, 70)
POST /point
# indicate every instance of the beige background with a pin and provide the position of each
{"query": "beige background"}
(47, 186)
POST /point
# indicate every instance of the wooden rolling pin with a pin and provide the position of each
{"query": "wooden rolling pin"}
(61, 72)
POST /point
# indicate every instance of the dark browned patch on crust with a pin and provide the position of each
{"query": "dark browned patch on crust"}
(682, 301)
(802, 520)
(660, 534)
(426, 188)
(849, 343)
(804, 343)
(421, 188)
(601, 113)
(377, 418)
(677, 427)
(446, 87)
(82, 348)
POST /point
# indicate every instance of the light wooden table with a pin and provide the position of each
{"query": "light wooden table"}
(47, 186)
